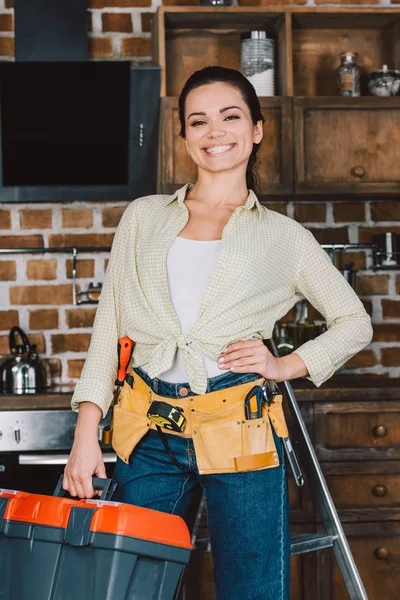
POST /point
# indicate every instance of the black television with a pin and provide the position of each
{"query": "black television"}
(77, 130)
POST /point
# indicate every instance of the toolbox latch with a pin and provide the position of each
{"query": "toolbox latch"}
(78, 529)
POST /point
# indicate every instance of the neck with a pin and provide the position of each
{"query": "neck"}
(219, 189)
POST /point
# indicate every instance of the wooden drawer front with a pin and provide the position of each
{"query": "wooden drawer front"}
(275, 159)
(360, 490)
(347, 145)
(358, 430)
(378, 562)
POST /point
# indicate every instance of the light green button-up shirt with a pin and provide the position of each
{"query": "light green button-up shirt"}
(268, 262)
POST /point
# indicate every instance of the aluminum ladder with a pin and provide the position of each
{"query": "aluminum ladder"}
(305, 542)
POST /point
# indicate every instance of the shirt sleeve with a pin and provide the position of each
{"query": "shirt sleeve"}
(96, 383)
(349, 327)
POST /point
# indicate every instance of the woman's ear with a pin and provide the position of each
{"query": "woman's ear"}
(258, 132)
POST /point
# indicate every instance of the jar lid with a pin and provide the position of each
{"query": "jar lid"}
(253, 35)
(348, 53)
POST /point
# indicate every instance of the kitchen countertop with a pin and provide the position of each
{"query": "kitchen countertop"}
(339, 387)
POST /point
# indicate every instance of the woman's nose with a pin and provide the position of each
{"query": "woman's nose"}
(216, 133)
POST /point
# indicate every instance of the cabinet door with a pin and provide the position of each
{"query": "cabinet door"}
(347, 145)
(275, 164)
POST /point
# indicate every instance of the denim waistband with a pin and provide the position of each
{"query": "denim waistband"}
(219, 382)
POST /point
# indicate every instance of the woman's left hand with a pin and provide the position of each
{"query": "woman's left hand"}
(251, 356)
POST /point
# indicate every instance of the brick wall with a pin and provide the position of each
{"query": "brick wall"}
(36, 290)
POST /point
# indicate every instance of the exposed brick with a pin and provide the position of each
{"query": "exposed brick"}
(136, 46)
(313, 213)
(8, 270)
(8, 318)
(147, 21)
(390, 357)
(367, 305)
(351, 2)
(21, 241)
(44, 318)
(41, 294)
(80, 240)
(84, 268)
(390, 308)
(75, 368)
(368, 235)
(7, 46)
(385, 211)
(36, 339)
(386, 332)
(36, 219)
(41, 269)
(365, 358)
(337, 235)
(81, 218)
(5, 219)
(111, 216)
(80, 317)
(71, 342)
(100, 47)
(120, 22)
(279, 207)
(358, 258)
(345, 212)
(372, 284)
(119, 3)
(55, 367)
(6, 22)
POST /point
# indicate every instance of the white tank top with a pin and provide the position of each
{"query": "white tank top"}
(189, 267)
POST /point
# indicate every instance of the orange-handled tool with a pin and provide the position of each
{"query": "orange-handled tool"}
(125, 349)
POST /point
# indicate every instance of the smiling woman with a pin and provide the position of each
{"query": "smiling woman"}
(198, 280)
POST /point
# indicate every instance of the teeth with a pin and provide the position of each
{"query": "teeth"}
(219, 149)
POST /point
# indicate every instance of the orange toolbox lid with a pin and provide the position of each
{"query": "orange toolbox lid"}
(111, 517)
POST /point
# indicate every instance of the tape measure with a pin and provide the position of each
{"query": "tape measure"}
(166, 416)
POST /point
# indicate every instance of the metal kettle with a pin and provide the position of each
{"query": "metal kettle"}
(22, 372)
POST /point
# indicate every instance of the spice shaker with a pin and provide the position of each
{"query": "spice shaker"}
(257, 61)
(348, 75)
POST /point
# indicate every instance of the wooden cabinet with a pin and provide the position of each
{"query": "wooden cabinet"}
(275, 167)
(347, 145)
(341, 145)
(357, 441)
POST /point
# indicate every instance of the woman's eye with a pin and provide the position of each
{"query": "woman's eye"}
(197, 123)
(232, 117)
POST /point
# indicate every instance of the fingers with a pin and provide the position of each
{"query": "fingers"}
(248, 354)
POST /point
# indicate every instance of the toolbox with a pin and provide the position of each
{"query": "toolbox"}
(55, 548)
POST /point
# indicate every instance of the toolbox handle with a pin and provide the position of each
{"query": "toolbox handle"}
(107, 487)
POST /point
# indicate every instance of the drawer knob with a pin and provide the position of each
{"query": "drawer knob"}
(381, 553)
(379, 430)
(357, 171)
(379, 490)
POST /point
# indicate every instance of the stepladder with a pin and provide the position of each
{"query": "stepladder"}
(304, 465)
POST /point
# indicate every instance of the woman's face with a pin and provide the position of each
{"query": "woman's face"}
(219, 130)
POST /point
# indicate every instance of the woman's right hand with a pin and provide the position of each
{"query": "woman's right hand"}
(86, 458)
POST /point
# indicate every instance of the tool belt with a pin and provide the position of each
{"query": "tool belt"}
(224, 440)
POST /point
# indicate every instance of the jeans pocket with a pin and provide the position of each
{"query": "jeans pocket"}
(233, 446)
(128, 429)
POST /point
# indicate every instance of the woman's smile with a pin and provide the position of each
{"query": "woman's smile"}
(217, 150)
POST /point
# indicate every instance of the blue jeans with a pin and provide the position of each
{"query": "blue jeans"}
(248, 512)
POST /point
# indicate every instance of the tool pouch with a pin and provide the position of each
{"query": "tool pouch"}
(130, 421)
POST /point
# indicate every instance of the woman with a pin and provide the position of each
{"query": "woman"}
(198, 280)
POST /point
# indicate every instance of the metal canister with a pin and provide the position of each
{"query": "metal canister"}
(258, 62)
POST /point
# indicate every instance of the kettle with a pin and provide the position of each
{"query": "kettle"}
(22, 372)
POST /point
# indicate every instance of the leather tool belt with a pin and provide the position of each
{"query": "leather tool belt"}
(224, 440)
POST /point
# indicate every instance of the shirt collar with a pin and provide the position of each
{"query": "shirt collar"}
(180, 194)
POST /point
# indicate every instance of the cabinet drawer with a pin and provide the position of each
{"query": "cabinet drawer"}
(364, 490)
(378, 562)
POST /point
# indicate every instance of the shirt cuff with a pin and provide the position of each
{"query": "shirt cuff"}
(92, 391)
(318, 362)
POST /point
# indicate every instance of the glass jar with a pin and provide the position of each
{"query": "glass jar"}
(348, 75)
(257, 61)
